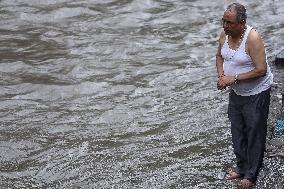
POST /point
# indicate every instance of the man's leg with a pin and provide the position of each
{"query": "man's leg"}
(237, 129)
(256, 114)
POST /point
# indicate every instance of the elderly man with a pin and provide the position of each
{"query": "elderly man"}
(242, 66)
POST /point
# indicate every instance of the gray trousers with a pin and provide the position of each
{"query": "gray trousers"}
(248, 116)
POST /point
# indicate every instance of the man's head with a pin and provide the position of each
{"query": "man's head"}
(240, 10)
(234, 19)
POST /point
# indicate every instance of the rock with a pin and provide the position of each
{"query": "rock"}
(277, 142)
(276, 154)
(279, 59)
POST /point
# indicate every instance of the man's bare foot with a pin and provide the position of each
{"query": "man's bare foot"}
(245, 183)
(233, 175)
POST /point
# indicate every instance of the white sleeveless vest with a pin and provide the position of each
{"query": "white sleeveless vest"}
(237, 62)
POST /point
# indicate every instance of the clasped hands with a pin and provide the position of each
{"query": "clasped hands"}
(224, 81)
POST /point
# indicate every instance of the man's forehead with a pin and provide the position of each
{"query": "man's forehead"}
(230, 13)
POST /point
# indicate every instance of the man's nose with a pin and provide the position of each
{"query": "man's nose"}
(225, 24)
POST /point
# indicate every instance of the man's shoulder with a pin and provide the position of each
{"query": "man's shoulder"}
(254, 41)
(253, 35)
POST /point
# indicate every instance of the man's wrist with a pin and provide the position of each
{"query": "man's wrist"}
(236, 80)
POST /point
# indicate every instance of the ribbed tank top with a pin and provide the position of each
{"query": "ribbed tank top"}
(237, 61)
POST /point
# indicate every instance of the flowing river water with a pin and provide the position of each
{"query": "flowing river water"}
(117, 93)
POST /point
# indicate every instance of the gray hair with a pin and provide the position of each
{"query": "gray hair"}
(240, 10)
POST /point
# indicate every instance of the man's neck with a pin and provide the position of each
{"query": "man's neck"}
(239, 36)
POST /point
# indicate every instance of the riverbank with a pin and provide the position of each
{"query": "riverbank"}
(272, 173)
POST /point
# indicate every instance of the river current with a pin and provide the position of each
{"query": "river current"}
(117, 93)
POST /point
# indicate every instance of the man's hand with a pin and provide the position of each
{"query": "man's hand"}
(228, 80)
(225, 81)
(220, 83)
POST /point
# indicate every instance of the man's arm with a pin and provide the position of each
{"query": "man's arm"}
(219, 63)
(256, 51)
(219, 58)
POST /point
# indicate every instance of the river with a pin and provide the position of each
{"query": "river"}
(117, 93)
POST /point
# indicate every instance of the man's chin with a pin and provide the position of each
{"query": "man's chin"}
(227, 32)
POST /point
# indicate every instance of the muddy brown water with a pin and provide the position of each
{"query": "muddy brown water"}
(117, 93)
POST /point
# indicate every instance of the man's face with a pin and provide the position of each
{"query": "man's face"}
(230, 24)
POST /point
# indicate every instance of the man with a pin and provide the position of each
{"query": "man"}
(242, 66)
